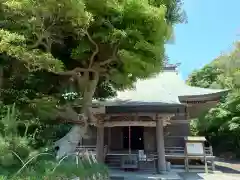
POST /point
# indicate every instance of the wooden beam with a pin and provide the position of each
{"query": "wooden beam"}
(140, 114)
(179, 121)
(189, 103)
(98, 110)
(132, 123)
(151, 115)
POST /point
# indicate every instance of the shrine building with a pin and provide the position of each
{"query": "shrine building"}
(154, 117)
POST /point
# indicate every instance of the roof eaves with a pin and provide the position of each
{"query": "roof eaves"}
(210, 94)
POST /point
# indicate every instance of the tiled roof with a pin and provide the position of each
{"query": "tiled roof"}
(165, 88)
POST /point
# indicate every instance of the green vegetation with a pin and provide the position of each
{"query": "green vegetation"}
(18, 159)
(221, 124)
(58, 54)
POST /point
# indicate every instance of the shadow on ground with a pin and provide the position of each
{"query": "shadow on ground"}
(190, 176)
(226, 169)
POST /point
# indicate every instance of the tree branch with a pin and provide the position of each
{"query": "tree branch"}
(44, 35)
(113, 57)
(108, 61)
(47, 45)
(96, 49)
(38, 42)
(67, 114)
(77, 70)
(64, 120)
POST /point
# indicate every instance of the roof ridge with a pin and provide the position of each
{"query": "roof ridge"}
(171, 67)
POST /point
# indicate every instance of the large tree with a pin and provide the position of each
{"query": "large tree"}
(84, 44)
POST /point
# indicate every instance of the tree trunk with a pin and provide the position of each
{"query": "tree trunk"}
(70, 141)
(1, 79)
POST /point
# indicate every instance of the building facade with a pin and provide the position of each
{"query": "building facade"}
(153, 116)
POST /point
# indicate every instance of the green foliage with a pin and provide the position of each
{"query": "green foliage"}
(18, 160)
(207, 77)
(121, 40)
(42, 42)
(53, 47)
(130, 35)
(73, 166)
(49, 169)
(222, 123)
(13, 146)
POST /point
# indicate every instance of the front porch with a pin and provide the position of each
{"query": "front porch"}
(124, 138)
(141, 141)
(136, 147)
(175, 155)
(129, 132)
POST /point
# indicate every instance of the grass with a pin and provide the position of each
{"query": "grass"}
(50, 169)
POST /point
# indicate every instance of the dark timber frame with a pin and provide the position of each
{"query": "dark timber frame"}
(171, 103)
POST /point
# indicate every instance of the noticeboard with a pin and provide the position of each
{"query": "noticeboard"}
(194, 148)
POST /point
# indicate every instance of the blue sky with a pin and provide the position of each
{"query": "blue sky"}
(212, 28)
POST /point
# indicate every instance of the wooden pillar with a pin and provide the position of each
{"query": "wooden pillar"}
(109, 137)
(161, 168)
(100, 143)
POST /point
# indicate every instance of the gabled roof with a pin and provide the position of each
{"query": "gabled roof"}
(165, 88)
(153, 90)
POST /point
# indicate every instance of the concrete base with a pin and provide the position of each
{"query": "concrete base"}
(122, 175)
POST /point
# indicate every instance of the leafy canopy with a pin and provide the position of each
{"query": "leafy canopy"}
(51, 47)
(48, 46)
(92, 48)
(222, 122)
(122, 38)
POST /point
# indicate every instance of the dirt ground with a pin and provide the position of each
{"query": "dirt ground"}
(225, 170)
(228, 166)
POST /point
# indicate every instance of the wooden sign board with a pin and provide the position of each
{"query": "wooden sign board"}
(195, 148)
